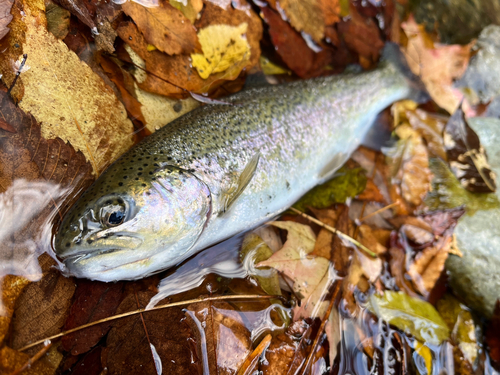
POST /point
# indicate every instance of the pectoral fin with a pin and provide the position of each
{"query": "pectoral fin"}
(244, 179)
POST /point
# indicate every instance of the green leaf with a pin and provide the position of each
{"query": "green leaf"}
(411, 315)
(347, 183)
(447, 192)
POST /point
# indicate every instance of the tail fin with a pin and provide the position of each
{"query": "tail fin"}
(393, 57)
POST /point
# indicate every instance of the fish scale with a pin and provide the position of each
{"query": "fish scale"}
(283, 139)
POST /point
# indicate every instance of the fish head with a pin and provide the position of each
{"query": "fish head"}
(118, 228)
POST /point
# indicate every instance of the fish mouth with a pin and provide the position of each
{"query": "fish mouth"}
(84, 255)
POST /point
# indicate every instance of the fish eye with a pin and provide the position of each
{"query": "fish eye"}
(113, 214)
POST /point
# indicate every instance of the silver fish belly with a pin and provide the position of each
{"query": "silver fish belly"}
(236, 166)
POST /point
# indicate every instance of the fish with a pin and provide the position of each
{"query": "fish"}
(222, 169)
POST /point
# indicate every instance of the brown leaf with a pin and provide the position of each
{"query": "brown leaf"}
(58, 20)
(129, 351)
(467, 157)
(362, 36)
(12, 360)
(220, 335)
(80, 10)
(90, 364)
(368, 238)
(42, 307)
(11, 288)
(93, 301)
(292, 47)
(284, 349)
(164, 27)
(5, 16)
(443, 222)
(492, 334)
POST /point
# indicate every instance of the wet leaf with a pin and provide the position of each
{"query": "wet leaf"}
(447, 192)
(492, 334)
(129, 351)
(347, 183)
(426, 354)
(5, 16)
(78, 8)
(42, 307)
(57, 20)
(100, 129)
(409, 160)
(11, 288)
(190, 8)
(93, 301)
(223, 341)
(467, 157)
(437, 65)
(255, 250)
(411, 315)
(12, 360)
(90, 364)
(164, 27)
(224, 47)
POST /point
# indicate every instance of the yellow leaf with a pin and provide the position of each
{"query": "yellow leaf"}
(223, 46)
(424, 352)
(269, 68)
(190, 8)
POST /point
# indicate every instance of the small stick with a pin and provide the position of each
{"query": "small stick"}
(33, 359)
(379, 211)
(139, 311)
(247, 367)
(337, 232)
(18, 73)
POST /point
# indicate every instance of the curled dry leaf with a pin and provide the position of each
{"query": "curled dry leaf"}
(467, 157)
(164, 27)
(89, 115)
(5, 16)
(437, 65)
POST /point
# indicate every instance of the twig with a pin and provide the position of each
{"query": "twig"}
(247, 367)
(18, 73)
(160, 307)
(33, 359)
(337, 232)
(379, 211)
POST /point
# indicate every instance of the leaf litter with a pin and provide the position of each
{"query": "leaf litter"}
(317, 287)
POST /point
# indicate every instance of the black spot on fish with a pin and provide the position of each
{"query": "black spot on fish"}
(109, 202)
(89, 241)
(143, 185)
(139, 174)
(68, 244)
(120, 184)
(125, 177)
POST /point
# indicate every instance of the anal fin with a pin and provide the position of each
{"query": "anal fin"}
(228, 197)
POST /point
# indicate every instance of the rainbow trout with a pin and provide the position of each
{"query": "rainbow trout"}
(222, 169)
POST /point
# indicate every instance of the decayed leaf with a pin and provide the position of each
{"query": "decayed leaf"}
(164, 27)
(347, 183)
(410, 165)
(57, 20)
(93, 301)
(5, 16)
(176, 71)
(467, 157)
(437, 65)
(410, 315)
(129, 351)
(190, 8)
(223, 341)
(42, 307)
(447, 192)
(224, 47)
(67, 97)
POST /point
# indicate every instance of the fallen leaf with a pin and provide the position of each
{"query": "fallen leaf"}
(5, 16)
(410, 165)
(11, 288)
(80, 10)
(100, 128)
(284, 349)
(12, 360)
(437, 65)
(428, 266)
(190, 8)
(128, 349)
(224, 47)
(411, 315)
(346, 183)
(292, 48)
(446, 192)
(163, 26)
(310, 17)
(57, 20)
(93, 301)
(443, 222)
(467, 157)
(223, 341)
(42, 307)
(90, 364)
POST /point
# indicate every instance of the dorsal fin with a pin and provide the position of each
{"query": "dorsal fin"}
(228, 197)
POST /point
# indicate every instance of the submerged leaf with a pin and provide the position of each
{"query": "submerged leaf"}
(347, 183)
(412, 315)
(447, 192)
(467, 157)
